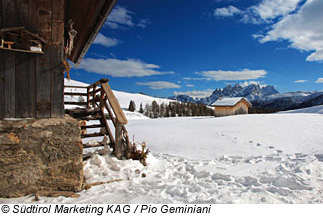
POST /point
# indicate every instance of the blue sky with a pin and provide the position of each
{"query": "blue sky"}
(163, 48)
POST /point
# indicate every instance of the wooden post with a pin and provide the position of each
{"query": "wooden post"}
(102, 95)
(88, 97)
(93, 96)
(119, 147)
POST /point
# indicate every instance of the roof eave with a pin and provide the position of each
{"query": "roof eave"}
(106, 10)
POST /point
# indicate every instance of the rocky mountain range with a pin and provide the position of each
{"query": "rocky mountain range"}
(261, 96)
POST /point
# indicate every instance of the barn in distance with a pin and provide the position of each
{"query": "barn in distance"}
(231, 106)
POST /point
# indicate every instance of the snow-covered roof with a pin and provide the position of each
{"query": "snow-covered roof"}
(229, 101)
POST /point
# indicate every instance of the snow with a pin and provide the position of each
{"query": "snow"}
(273, 158)
(314, 109)
(228, 101)
(260, 158)
(123, 97)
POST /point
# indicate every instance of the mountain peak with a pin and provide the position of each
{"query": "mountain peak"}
(252, 92)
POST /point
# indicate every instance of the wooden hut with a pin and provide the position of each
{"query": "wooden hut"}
(231, 106)
(36, 39)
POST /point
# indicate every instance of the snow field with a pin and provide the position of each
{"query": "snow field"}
(272, 158)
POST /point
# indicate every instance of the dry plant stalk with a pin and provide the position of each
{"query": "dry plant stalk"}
(89, 185)
(70, 194)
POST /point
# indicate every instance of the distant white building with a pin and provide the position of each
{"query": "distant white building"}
(231, 106)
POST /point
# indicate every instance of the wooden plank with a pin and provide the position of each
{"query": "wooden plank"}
(2, 92)
(93, 146)
(75, 94)
(23, 51)
(120, 116)
(57, 76)
(32, 61)
(21, 30)
(91, 118)
(99, 82)
(43, 63)
(9, 20)
(92, 135)
(75, 103)
(69, 86)
(22, 9)
(92, 126)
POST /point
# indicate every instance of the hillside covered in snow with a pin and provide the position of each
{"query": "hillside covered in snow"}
(123, 97)
(259, 158)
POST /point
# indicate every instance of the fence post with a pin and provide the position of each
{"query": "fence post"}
(88, 98)
(119, 140)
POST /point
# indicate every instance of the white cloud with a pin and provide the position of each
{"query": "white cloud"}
(296, 21)
(119, 16)
(196, 94)
(300, 81)
(143, 23)
(319, 80)
(122, 17)
(105, 41)
(159, 85)
(194, 78)
(120, 68)
(247, 83)
(270, 9)
(245, 74)
(315, 56)
(189, 85)
(226, 11)
(303, 29)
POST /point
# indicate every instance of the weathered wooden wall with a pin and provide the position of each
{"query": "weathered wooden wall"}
(239, 108)
(32, 85)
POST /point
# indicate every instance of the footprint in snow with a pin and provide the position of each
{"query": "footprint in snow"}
(271, 147)
(319, 157)
(258, 144)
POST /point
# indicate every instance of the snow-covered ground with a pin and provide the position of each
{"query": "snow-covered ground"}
(272, 158)
(314, 109)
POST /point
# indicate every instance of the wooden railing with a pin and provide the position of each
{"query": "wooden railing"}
(99, 96)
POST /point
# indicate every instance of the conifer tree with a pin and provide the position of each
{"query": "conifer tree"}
(132, 106)
(141, 110)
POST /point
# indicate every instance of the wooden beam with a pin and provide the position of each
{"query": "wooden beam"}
(9, 20)
(99, 82)
(21, 30)
(43, 72)
(119, 148)
(20, 50)
(75, 94)
(75, 103)
(32, 62)
(70, 86)
(22, 66)
(57, 49)
(120, 116)
(2, 90)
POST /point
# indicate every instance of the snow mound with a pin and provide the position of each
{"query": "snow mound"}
(134, 115)
(313, 109)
